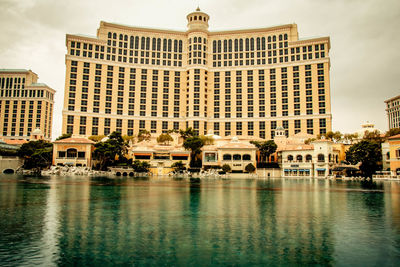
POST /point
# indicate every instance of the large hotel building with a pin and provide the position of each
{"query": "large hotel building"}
(238, 82)
(25, 105)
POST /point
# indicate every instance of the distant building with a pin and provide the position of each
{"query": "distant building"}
(393, 112)
(25, 105)
(394, 154)
(235, 82)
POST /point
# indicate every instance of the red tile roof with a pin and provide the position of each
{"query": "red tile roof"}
(74, 140)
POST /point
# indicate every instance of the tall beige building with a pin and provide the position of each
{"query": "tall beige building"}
(238, 82)
(393, 111)
(25, 104)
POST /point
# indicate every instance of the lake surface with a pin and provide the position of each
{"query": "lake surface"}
(162, 222)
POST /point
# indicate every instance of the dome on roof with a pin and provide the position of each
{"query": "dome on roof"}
(279, 128)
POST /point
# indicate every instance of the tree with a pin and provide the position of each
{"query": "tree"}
(194, 144)
(107, 152)
(266, 148)
(96, 138)
(178, 166)
(226, 168)
(185, 134)
(141, 166)
(64, 136)
(128, 138)
(36, 154)
(143, 135)
(207, 140)
(164, 139)
(393, 131)
(309, 140)
(374, 136)
(350, 137)
(250, 168)
(368, 153)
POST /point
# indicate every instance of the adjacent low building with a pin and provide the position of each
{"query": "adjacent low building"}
(73, 151)
(235, 153)
(394, 154)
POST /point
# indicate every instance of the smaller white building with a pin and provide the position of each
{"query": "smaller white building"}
(316, 159)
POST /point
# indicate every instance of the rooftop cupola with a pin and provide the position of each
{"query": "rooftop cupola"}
(198, 20)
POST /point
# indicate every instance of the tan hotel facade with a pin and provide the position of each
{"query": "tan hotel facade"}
(236, 83)
(25, 105)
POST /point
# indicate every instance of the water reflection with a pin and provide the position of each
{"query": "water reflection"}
(69, 221)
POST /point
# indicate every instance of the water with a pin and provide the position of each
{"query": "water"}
(161, 222)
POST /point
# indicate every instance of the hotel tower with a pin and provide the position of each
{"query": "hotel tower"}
(25, 105)
(235, 83)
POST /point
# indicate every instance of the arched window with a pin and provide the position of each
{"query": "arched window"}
(274, 38)
(308, 158)
(154, 44)
(148, 43)
(121, 37)
(247, 44)
(137, 42)
(258, 43)
(299, 158)
(240, 45)
(290, 158)
(114, 35)
(72, 153)
(337, 159)
(251, 44)
(132, 41)
(200, 18)
(263, 43)
(143, 43)
(321, 158)
(175, 46)
(246, 157)
(159, 44)
(109, 35)
(199, 40)
(214, 46)
(180, 46)
(227, 157)
(169, 45)
(236, 45)
(195, 40)
(269, 39)
(230, 46)
(225, 46)
(204, 18)
(195, 17)
(237, 157)
(219, 46)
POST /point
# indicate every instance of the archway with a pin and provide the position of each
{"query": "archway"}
(8, 171)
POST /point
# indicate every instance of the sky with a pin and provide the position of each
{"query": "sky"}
(364, 34)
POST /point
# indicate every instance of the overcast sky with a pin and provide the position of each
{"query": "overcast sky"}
(365, 40)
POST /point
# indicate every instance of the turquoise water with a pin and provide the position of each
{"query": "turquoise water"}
(164, 222)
